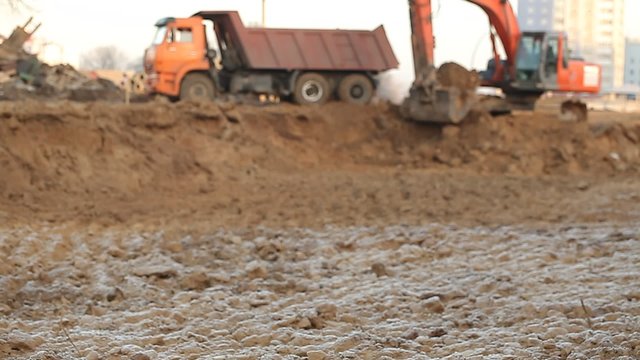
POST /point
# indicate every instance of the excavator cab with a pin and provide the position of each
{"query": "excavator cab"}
(541, 61)
(543, 64)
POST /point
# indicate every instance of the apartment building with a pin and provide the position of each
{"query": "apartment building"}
(595, 29)
(632, 62)
(535, 15)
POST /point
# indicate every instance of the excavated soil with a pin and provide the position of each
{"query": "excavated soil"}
(454, 75)
(189, 231)
(115, 163)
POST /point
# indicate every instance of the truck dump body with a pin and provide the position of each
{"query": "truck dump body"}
(305, 49)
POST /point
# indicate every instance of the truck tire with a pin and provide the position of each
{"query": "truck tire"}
(356, 89)
(311, 88)
(197, 87)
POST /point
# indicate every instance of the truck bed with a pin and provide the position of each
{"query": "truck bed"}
(307, 49)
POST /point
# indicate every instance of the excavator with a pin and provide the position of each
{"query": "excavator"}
(536, 62)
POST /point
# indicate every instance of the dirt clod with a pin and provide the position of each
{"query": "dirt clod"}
(379, 269)
(455, 75)
(195, 281)
(317, 355)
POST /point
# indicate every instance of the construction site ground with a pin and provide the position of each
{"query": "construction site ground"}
(214, 230)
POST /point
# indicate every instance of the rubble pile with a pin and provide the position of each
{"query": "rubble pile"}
(24, 76)
(11, 48)
(60, 82)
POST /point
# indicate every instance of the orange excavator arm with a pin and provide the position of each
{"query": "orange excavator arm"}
(501, 18)
(431, 101)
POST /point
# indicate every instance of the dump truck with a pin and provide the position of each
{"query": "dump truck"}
(213, 53)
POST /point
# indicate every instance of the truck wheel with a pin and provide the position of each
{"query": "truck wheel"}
(355, 89)
(198, 87)
(312, 88)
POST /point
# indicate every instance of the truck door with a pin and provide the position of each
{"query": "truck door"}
(183, 46)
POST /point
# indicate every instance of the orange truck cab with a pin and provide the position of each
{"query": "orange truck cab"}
(212, 53)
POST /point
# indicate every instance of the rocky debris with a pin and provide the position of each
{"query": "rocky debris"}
(347, 343)
(380, 269)
(155, 265)
(434, 304)
(140, 356)
(20, 342)
(92, 355)
(159, 271)
(327, 311)
(35, 80)
(198, 280)
(474, 303)
(11, 49)
(437, 332)
(317, 355)
(115, 294)
(256, 269)
(256, 340)
(23, 76)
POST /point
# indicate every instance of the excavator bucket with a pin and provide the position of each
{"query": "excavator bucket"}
(445, 105)
(445, 95)
(573, 110)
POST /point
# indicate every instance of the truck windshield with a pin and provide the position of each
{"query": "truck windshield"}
(158, 38)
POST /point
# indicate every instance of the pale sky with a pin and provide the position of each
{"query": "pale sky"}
(76, 26)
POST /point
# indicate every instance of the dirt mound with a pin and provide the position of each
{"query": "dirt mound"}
(538, 144)
(87, 146)
(455, 75)
(80, 157)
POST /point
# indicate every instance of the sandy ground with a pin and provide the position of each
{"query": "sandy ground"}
(194, 231)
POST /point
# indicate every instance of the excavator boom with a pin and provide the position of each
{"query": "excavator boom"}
(501, 17)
